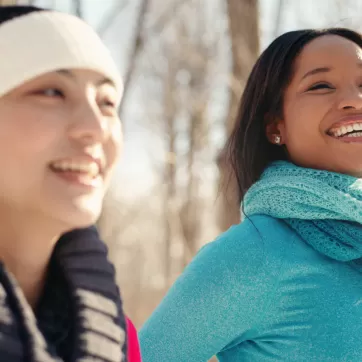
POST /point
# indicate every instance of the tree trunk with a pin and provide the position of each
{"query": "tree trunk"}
(8, 2)
(244, 36)
(170, 112)
(279, 18)
(191, 213)
(78, 8)
(137, 46)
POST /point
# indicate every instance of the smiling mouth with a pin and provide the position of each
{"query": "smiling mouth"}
(347, 131)
(90, 168)
(83, 173)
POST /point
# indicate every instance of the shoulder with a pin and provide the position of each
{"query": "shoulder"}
(259, 241)
(227, 288)
(259, 250)
(244, 263)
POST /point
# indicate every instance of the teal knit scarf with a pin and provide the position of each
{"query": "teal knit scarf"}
(324, 208)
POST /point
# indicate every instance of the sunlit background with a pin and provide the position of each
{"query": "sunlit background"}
(184, 64)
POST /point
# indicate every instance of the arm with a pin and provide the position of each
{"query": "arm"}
(216, 301)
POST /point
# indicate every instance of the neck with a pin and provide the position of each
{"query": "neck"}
(25, 250)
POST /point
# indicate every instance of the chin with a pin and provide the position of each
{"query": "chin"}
(80, 220)
(349, 166)
(78, 216)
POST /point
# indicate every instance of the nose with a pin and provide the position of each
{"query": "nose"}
(89, 125)
(351, 99)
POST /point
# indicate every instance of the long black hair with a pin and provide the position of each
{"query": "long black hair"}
(248, 149)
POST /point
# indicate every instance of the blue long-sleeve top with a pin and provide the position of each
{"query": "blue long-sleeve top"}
(259, 293)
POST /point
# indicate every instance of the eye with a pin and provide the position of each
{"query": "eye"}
(319, 86)
(50, 92)
(108, 105)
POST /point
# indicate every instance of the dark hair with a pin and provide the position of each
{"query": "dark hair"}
(248, 149)
(10, 12)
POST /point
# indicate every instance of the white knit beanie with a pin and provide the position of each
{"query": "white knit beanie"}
(46, 41)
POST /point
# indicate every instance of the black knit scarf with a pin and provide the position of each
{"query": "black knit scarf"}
(98, 320)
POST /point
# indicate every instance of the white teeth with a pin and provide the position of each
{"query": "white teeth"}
(91, 168)
(356, 134)
(343, 130)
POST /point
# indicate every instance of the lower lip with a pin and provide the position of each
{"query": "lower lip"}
(349, 139)
(79, 179)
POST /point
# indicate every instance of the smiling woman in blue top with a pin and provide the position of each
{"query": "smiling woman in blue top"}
(286, 283)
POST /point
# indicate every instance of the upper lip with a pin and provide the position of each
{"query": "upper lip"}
(100, 161)
(346, 120)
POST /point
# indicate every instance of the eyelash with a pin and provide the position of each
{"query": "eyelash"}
(108, 103)
(59, 93)
(320, 86)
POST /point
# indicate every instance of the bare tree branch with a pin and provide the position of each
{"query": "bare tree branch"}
(156, 27)
(138, 42)
(112, 15)
(244, 35)
(78, 9)
(165, 17)
(278, 20)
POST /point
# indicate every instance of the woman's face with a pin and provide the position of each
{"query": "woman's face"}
(322, 121)
(60, 137)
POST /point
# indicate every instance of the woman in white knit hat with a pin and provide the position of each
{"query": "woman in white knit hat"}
(60, 137)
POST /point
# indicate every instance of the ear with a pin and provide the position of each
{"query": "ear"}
(274, 130)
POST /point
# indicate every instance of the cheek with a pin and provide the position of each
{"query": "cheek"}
(29, 137)
(303, 130)
(114, 145)
(113, 150)
(304, 118)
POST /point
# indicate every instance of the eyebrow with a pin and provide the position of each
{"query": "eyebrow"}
(316, 71)
(70, 74)
(322, 70)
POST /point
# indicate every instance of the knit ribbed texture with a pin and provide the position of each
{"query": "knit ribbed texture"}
(325, 208)
(46, 41)
(99, 323)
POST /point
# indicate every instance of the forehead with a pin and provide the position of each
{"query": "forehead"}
(328, 51)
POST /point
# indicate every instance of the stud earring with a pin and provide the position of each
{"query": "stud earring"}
(277, 140)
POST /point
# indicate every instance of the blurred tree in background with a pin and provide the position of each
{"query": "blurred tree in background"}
(243, 19)
(185, 64)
